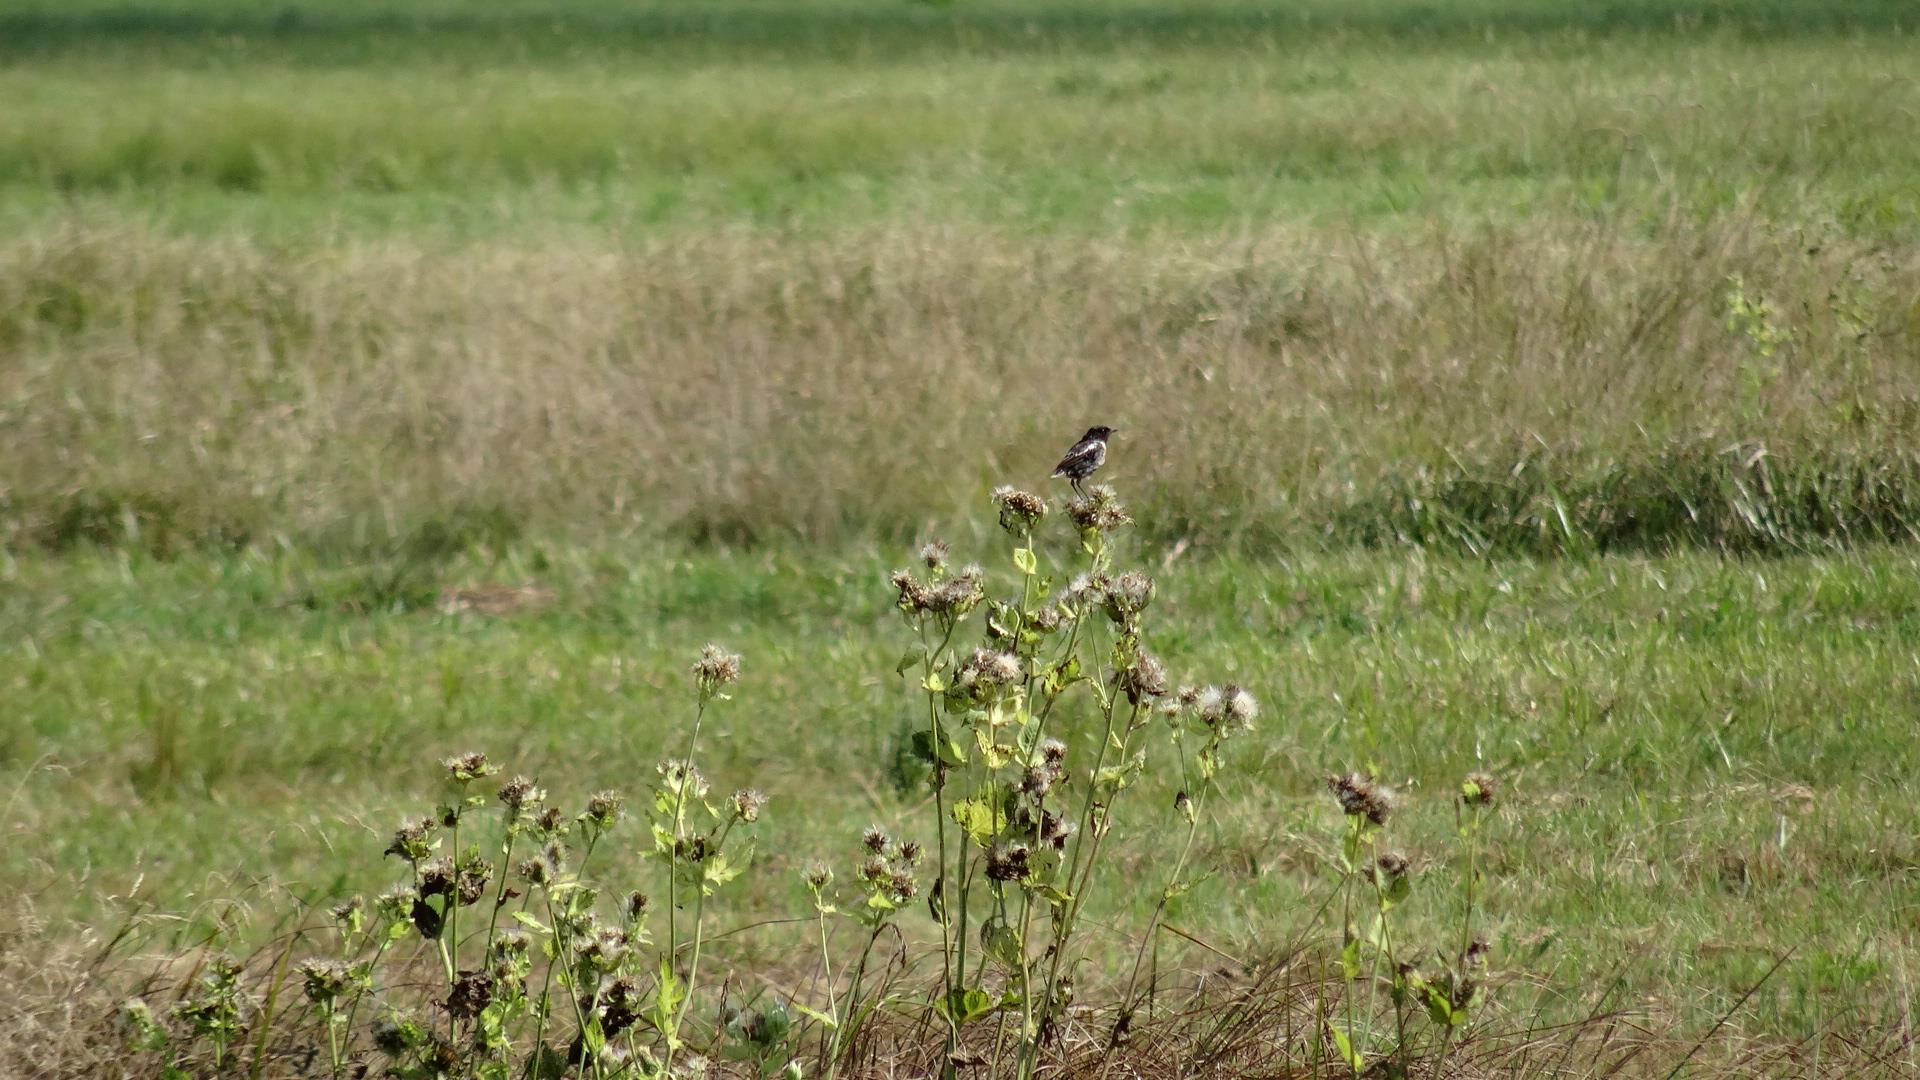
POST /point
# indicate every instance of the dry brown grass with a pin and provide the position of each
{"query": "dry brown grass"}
(61, 1020)
(744, 384)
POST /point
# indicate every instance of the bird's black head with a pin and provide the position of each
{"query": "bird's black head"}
(1097, 433)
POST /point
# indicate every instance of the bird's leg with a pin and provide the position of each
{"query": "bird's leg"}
(1077, 489)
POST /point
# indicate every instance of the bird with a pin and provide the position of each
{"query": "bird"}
(1084, 457)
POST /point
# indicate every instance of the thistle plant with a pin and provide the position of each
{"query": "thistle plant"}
(1035, 723)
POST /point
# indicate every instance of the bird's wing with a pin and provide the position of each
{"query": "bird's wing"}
(1084, 452)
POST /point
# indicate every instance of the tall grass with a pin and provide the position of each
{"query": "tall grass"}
(1539, 386)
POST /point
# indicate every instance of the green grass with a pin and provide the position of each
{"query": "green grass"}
(1532, 380)
(1708, 758)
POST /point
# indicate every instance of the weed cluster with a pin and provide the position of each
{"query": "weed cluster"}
(505, 951)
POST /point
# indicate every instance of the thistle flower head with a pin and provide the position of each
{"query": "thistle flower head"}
(604, 808)
(682, 776)
(1036, 781)
(468, 767)
(817, 875)
(1144, 678)
(410, 840)
(1128, 595)
(716, 668)
(520, 793)
(747, 804)
(637, 905)
(1390, 867)
(910, 852)
(1239, 711)
(876, 839)
(1020, 510)
(1359, 796)
(1100, 510)
(1055, 830)
(348, 912)
(901, 887)
(934, 554)
(1009, 861)
(326, 980)
(1479, 791)
(1052, 751)
(472, 992)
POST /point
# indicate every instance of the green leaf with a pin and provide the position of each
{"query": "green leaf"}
(1439, 1008)
(993, 755)
(1023, 558)
(912, 656)
(934, 683)
(965, 1006)
(815, 1015)
(1002, 943)
(531, 923)
(1350, 959)
(980, 818)
(1352, 1057)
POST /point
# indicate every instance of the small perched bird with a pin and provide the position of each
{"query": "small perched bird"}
(1084, 457)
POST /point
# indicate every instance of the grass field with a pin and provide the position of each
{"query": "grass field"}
(1503, 385)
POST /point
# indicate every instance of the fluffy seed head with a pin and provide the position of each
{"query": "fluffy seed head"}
(520, 793)
(1359, 796)
(934, 554)
(876, 839)
(1099, 511)
(716, 668)
(464, 768)
(747, 804)
(1020, 510)
(605, 807)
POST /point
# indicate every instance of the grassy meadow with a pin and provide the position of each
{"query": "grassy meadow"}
(1503, 385)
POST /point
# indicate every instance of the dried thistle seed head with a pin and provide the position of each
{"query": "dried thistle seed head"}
(410, 841)
(1183, 805)
(520, 793)
(472, 992)
(1020, 510)
(550, 821)
(326, 980)
(747, 804)
(876, 839)
(1239, 710)
(396, 904)
(1008, 861)
(987, 668)
(913, 595)
(910, 852)
(538, 871)
(637, 906)
(604, 808)
(1036, 781)
(1479, 791)
(1086, 591)
(508, 944)
(465, 768)
(347, 912)
(1053, 752)
(1047, 620)
(679, 776)
(1476, 955)
(471, 878)
(1128, 595)
(1359, 796)
(901, 887)
(957, 595)
(436, 877)
(817, 875)
(1055, 830)
(716, 668)
(1210, 706)
(1100, 510)
(1142, 679)
(1389, 867)
(934, 554)
(875, 869)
